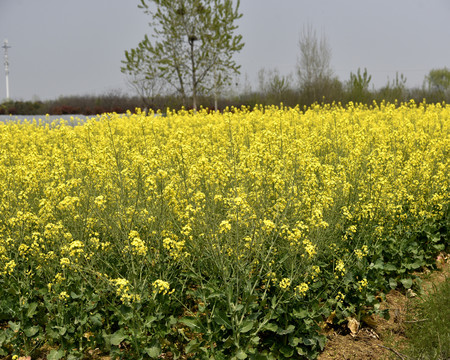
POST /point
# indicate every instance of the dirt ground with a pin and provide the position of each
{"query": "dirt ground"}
(377, 338)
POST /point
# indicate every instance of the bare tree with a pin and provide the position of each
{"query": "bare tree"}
(314, 64)
(279, 84)
(142, 76)
(271, 81)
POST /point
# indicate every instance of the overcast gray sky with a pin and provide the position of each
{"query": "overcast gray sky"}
(62, 47)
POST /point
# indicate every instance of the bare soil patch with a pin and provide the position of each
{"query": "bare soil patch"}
(376, 337)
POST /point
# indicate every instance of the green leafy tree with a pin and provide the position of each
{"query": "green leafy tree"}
(439, 79)
(193, 47)
(359, 85)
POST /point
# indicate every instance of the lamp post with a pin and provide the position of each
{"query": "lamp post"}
(6, 47)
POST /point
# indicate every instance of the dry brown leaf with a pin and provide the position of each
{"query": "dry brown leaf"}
(410, 293)
(370, 320)
(331, 317)
(353, 326)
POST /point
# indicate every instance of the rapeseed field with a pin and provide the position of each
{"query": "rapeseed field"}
(211, 235)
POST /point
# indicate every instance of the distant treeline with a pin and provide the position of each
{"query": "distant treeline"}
(334, 91)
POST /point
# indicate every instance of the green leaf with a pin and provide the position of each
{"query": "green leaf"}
(96, 320)
(192, 346)
(74, 355)
(55, 354)
(321, 340)
(171, 321)
(153, 352)
(274, 302)
(192, 323)
(52, 334)
(61, 330)
(220, 318)
(300, 314)
(2, 338)
(75, 296)
(270, 327)
(407, 283)
(31, 331)
(287, 351)
(126, 312)
(390, 267)
(415, 265)
(246, 326)
(392, 283)
(150, 319)
(309, 342)
(317, 285)
(14, 326)
(32, 309)
(117, 337)
(255, 340)
(435, 238)
(214, 295)
(201, 307)
(241, 355)
(288, 330)
(379, 264)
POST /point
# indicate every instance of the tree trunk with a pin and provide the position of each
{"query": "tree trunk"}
(194, 78)
(215, 89)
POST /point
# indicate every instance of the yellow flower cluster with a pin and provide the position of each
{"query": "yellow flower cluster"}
(360, 253)
(175, 248)
(268, 226)
(161, 287)
(137, 246)
(271, 277)
(63, 295)
(285, 283)
(315, 272)
(301, 290)
(76, 248)
(100, 202)
(123, 291)
(9, 268)
(362, 284)
(340, 296)
(64, 262)
(340, 268)
(309, 248)
(224, 226)
(271, 189)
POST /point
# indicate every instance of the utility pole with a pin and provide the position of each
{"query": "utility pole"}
(6, 47)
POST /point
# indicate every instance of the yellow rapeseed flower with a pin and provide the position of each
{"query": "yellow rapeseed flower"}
(161, 287)
(301, 290)
(285, 283)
